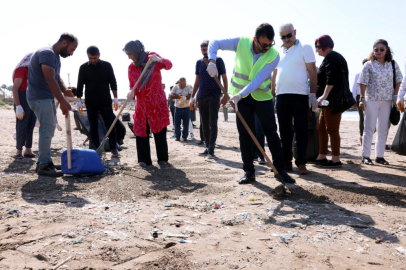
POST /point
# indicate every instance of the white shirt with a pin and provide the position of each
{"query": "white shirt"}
(183, 92)
(292, 74)
(402, 89)
(355, 87)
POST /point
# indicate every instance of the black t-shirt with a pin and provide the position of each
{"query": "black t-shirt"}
(98, 79)
(330, 73)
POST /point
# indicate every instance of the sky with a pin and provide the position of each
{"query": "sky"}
(174, 29)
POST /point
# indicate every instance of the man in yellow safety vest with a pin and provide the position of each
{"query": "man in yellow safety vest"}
(255, 61)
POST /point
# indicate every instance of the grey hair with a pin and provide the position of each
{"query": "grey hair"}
(286, 27)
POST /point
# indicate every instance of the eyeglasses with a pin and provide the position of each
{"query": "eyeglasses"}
(287, 36)
(379, 49)
(264, 46)
(318, 47)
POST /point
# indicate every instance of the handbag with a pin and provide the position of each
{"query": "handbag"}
(342, 102)
(394, 116)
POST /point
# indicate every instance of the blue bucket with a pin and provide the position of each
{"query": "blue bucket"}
(84, 161)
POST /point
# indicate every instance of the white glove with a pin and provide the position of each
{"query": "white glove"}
(19, 112)
(192, 100)
(155, 58)
(130, 95)
(394, 99)
(212, 69)
(79, 105)
(235, 100)
(313, 102)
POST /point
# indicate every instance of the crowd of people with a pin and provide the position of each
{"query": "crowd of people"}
(265, 79)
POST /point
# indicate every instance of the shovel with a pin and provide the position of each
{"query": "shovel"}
(100, 149)
(79, 161)
(277, 175)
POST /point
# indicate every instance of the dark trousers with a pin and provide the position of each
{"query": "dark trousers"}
(265, 112)
(144, 150)
(293, 108)
(182, 115)
(173, 115)
(25, 127)
(361, 117)
(108, 116)
(259, 134)
(209, 112)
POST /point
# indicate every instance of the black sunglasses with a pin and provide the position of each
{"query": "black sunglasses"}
(264, 46)
(379, 49)
(287, 36)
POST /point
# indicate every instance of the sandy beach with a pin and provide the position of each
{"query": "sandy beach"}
(349, 218)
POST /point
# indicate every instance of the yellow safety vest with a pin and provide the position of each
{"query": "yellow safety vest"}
(245, 70)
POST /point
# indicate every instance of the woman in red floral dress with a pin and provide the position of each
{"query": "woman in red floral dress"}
(151, 110)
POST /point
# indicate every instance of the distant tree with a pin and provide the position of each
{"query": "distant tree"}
(10, 87)
(3, 86)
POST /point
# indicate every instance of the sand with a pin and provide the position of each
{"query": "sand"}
(330, 220)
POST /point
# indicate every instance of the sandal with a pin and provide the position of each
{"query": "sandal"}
(29, 155)
(367, 161)
(381, 160)
(18, 156)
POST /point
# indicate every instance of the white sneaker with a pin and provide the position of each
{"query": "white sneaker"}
(192, 137)
(173, 136)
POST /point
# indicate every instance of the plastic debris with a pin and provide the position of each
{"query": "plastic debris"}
(14, 212)
(168, 205)
(78, 241)
(378, 239)
(185, 241)
(401, 250)
(252, 199)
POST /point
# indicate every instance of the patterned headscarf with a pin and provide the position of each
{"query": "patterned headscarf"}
(25, 62)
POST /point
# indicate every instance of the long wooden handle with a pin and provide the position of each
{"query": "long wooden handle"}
(245, 124)
(128, 98)
(69, 140)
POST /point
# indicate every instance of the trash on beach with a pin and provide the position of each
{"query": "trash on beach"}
(297, 224)
(401, 250)
(185, 241)
(252, 199)
(378, 239)
(168, 205)
(14, 212)
(78, 241)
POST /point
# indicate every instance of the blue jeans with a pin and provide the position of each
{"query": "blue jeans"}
(45, 112)
(182, 114)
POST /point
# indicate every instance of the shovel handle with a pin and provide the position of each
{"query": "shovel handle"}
(128, 99)
(268, 160)
(69, 140)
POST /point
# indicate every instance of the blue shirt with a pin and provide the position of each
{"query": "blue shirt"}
(207, 85)
(231, 45)
(37, 85)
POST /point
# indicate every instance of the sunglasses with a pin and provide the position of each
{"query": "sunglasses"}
(379, 49)
(318, 47)
(264, 46)
(287, 36)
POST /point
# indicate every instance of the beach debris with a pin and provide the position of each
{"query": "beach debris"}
(14, 212)
(297, 224)
(69, 234)
(155, 233)
(280, 192)
(401, 250)
(252, 199)
(378, 239)
(78, 241)
(168, 205)
(62, 263)
(185, 241)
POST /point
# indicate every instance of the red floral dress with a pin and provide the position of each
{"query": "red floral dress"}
(151, 101)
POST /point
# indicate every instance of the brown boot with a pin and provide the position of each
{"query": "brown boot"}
(303, 170)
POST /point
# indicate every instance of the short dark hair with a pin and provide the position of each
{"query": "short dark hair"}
(67, 37)
(93, 50)
(388, 53)
(364, 61)
(325, 41)
(265, 30)
(204, 43)
(182, 79)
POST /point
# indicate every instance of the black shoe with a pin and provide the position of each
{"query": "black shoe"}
(48, 170)
(331, 164)
(210, 155)
(177, 139)
(204, 153)
(286, 177)
(318, 162)
(56, 167)
(184, 140)
(261, 161)
(200, 143)
(115, 153)
(163, 163)
(247, 178)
